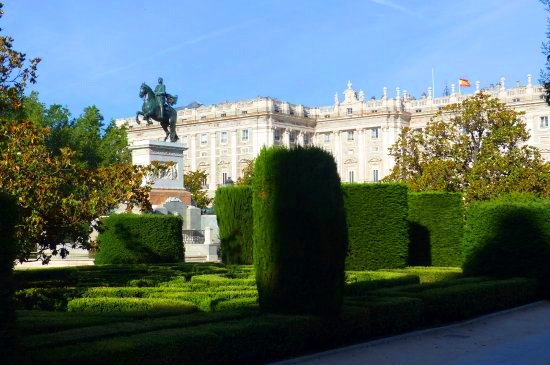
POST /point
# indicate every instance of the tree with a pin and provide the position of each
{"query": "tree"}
(194, 182)
(248, 173)
(15, 72)
(58, 196)
(86, 136)
(113, 148)
(477, 147)
(545, 73)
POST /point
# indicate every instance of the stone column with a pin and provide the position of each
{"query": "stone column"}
(300, 138)
(338, 151)
(286, 138)
(270, 136)
(213, 173)
(193, 151)
(362, 154)
(234, 155)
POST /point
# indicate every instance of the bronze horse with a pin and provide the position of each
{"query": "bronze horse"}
(151, 110)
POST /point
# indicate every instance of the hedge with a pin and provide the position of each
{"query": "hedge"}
(508, 239)
(360, 282)
(234, 214)
(100, 305)
(133, 239)
(376, 216)
(436, 227)
(8, 251)
(300, 234)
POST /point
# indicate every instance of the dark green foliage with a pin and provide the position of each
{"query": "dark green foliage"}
(8, 249)
(252, 340)
(431, 274)
(436, 226)
(300, 234)
(133, 239)
(129, 305)
(508, 239)
(111, 275)
(459, 302)
(376, 215)
(45, 298)
(360, 282)
(377, 316)
(234, 214)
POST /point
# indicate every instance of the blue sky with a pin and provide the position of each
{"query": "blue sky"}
(99, 52)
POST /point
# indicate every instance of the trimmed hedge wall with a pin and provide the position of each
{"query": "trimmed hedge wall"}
(8, 252)
(300, 234)
(508, 239)
(376, 216)
(234, 214)
(436, 225)
(136, 238)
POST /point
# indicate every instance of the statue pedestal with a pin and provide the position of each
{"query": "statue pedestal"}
(170, 184)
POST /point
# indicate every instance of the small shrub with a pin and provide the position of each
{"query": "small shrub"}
(132, 239)
(376, 216)
(235, 222)
(300, 234)
(436, 227)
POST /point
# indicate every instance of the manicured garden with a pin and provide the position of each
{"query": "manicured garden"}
(208, 314)
(332, 265)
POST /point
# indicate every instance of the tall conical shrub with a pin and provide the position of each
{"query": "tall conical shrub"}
(300, 233)
(234, 215)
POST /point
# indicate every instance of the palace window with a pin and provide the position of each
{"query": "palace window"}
(350, 135)
(277, 134)
(515, 100)
(204, 138)
(244, 135)
(351, 175)
(292, 137)
(245, 150)
(327, 116)
(306, 139)
(223, 137)
(204, 182)
(350, 111)
(224, 177)
(203, 117)
(374, 133)
(375, 175)
(327, 137)
(244, 112)
(544, 121)
(223, 115)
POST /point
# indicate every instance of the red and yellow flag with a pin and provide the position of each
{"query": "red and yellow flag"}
(464, 83)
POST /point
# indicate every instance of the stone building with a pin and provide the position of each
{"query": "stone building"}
(221, 138)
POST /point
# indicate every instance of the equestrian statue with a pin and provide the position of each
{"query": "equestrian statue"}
(157, 105)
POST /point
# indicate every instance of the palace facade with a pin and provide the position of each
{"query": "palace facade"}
(221, 138)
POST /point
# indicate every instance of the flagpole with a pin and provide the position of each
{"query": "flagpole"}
(459, 90)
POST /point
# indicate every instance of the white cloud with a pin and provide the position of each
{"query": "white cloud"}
(394, 6)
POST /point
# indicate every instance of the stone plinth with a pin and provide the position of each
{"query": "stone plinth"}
(170, 183)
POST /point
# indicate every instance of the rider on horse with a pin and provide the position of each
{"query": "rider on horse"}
(160, 93)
